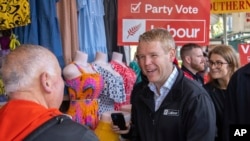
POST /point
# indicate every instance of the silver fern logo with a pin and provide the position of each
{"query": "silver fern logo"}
(133, 30)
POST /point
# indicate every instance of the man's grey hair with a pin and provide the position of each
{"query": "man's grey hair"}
(21, 66)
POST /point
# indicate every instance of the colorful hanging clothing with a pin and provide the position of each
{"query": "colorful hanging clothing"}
(129, 78)
(14, 13)
(92, 37)
(44, 28)
(113, 91)
(84, 92)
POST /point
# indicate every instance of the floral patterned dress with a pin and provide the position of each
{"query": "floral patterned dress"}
(84, 92)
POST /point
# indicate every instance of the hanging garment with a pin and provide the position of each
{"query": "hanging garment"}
(110, 22)
(129, 78)
(83, 93)
(113, 90)
(14, 13)
(91, 28)
(44, 28)
(67, 16)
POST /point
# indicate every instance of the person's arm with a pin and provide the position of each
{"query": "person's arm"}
(200, 119)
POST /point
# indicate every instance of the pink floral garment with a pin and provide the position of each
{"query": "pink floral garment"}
(129, 79)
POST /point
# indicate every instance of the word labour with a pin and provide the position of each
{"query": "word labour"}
(184, 32)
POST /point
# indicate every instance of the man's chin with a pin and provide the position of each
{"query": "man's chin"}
(151, 79)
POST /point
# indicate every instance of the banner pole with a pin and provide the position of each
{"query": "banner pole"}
(225, 28)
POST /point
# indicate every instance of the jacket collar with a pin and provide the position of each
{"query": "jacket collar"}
(187, 71)
(174, 94)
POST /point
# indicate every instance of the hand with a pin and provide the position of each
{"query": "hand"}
(117, 130)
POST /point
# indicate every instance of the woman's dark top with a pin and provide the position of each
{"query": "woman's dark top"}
(218, 97)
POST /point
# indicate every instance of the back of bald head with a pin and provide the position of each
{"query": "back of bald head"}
(23, 65)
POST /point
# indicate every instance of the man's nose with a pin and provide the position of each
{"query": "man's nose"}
(148, 60)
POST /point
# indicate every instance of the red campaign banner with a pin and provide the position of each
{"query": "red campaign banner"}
(244, 53)
(187, 20)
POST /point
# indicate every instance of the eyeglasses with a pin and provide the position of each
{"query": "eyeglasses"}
(216, 64)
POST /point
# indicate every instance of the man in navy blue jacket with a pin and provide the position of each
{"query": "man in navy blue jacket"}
(169, 106)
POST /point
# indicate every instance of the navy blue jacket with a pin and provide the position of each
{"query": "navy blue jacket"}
(186, 114)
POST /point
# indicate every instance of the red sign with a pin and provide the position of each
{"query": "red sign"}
(187, 20)
(244, 52)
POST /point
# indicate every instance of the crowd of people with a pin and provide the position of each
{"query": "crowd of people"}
(168, 103)
(165, 106)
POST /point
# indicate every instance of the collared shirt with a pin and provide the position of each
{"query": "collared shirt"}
(164, 89)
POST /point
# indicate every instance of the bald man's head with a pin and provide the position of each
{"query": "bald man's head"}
(23, 65)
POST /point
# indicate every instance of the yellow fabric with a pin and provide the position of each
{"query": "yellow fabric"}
(14, 13)
(1, 87)
(105, 133)
(13, 42)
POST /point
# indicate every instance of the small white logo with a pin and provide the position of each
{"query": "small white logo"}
(171, 112)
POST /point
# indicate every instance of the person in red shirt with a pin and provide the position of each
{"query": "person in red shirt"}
(34, 86)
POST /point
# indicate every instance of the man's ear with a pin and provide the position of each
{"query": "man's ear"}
(46, 82)
(188, 59)
(172, 53)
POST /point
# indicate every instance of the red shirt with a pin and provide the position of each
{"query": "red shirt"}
(18, 118)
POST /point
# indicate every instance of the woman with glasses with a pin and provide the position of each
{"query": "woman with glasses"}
(223, 62)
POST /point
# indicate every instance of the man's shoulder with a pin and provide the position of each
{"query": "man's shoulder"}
(187, 73)
(244, 69)
(62, 128)
(192, 87)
